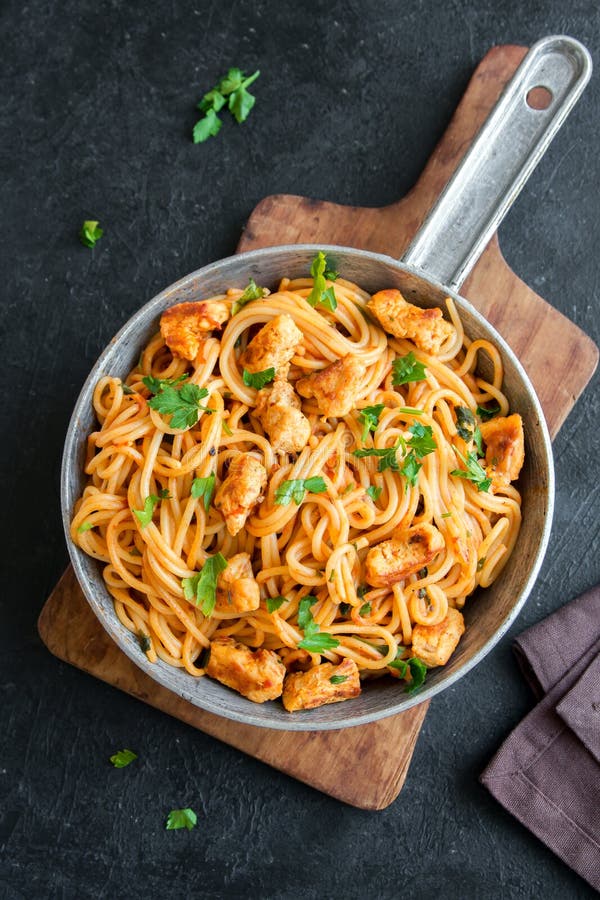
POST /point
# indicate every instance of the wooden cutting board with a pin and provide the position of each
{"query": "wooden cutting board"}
(547, 343)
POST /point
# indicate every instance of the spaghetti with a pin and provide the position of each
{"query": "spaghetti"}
(363, 575)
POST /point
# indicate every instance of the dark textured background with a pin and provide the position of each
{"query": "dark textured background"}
(98, 104)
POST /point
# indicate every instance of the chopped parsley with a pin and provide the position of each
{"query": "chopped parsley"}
(486, 413)
(314, 640)
(156, 385)
(181, 818)
(473, 471)
(226, 428)
(258, 379)
(407, 368)
(202, 587)
(90, 233)
(321, 273)
(338, 679)
(416, 667)
(422, 441)
(85, 526)
(122, 758)
(126, 389)
(365, 609)
(387, 456)
(145, 515)
(204, 487)
(369, 416)
(251, 292)
(231, 90)
(481, 563)
(144, 641)
(374, 492)
(361, 590)
(465, 422)
(411, 468)
(345, 608)
(273, 603)
(296, 488)
(447, 515)
(183, 404)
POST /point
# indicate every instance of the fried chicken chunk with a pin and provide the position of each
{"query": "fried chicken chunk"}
(435, 644)
(255, 674)
(185, 326)
(240, 491)
(278, 409)
(306, 690)
(336, 387)
(237, 588)
(427, 328)
(273, 346)
(407, 551)
(504, 449)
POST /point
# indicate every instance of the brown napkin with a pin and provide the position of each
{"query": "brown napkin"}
(547, 772)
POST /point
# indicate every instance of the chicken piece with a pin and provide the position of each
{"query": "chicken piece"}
(305, 690)
(273, 346)
(240, 491)
(255, 674)
(427, 328)
(336, 387)
(504, 449)
(279, 410)
(407, 551)
(237, 589)
(185, 326)
(435, 644)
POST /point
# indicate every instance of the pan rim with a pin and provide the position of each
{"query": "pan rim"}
(300, 721)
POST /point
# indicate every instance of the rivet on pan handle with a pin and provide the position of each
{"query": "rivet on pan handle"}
(505, 152)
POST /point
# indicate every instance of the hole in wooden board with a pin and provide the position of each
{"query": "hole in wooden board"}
(539, 97)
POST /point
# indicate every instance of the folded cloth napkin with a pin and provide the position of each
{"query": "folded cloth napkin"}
(547, 772)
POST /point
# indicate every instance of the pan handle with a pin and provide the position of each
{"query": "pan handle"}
(505, 152)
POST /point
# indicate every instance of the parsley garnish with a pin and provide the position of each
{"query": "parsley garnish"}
(361, 590)
(422, 441)
(407, 368)
(369, 416)
(251, 292)
(345, 608)
(411, 468)
(338, 679)
(387, 456)
(314, 640)
(374, 492)
(258, 379)
(145, 515)
(478, 439)
(273, 603)
(85, 526)
(486, 413)
(447, 515)
(122, 758)
(90, 233)
(126, 389)
(465, 422)
(417, 668)
(202, 587)
(156, 385)
(365, 609)
(296, 488)
(231, 90)
(204, 487)
(181, 818)
(145, 642)
(182, 405)
(481, 563)
(321, 273)
(474, 472)
(226, 428)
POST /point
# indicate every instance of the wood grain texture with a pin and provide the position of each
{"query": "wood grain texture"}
(548, 345)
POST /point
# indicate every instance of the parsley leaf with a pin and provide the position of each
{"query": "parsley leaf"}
(321, 273)
(487, 413)
(251, 292)
(145, 515)
(202, 587)
(85, 526)
(465, 422)
(374, 492)
(387, 456)
(418, 673)
(182, 405)
(365, 609)
(90, 233)
(204, 487)
(422, 441)
(338, 679)
(407, 368)
(273, 603)
(122, 758)
(411, 468)
(258, 379)
(226, 428)
(369, 416)
(478, 439)
(156, 385)
(296, 488)
(314, 640)
(481, 563)
(304, 614)
(474, 472)
(208, 126)
(181, 818)
(345, 608)
(232, 90)
(144, 641)
(126, 389)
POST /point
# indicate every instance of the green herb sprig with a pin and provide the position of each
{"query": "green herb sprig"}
(90, 233)
(321, 273)
(231, 90)
(258, 379)
(296, 488)
(406, 369)
(251, 292)
(181, 818)
(314, 640)
(472, 471)
(202, 587)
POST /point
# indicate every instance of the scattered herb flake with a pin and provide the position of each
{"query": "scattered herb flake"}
(145, 515)
(296, 488)
(481, 563)
(374, 492)
(144, 641)
(251, 292)
(226, 428)
(156, 385)
(338, 679)
(447, 515)
(181, 818)
(365, 610)
(273, 603)
(232, 90)
(345, 608)
(321, 273)
(422, 441)
(122, 758)
(182, 405)
(369, 416)
(204, 487)
(90, 233)
(202, 587)
(472, 472)
(486, 413)
(387, 456)
(407, 368)
(85, 526)
(258, 379)
(411, 468)
(465, 422)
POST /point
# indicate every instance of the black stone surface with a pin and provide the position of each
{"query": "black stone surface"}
(98, 103)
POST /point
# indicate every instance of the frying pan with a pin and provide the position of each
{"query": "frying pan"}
(440, 257)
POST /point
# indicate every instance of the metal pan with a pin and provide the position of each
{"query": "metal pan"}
(457, 229)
